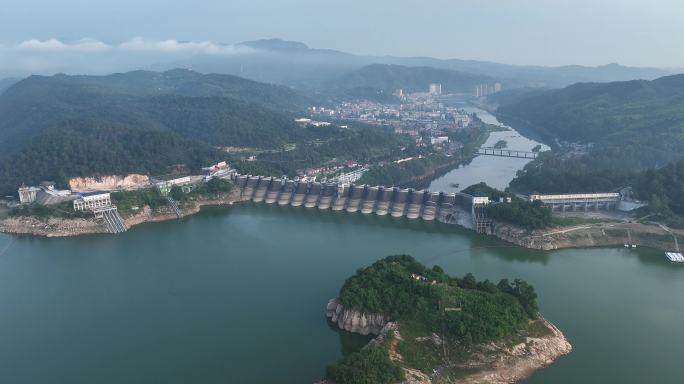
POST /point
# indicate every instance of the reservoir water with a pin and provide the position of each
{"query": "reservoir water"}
(497, 172)
(238, 294)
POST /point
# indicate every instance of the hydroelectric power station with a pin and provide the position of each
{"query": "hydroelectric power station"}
(450, 208)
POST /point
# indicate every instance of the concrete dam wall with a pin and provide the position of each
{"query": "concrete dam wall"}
(454, 208)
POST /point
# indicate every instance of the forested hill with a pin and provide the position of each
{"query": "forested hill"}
(6, 83)
(634, 123)
(62, 126)
(389, 78)
(185, 82)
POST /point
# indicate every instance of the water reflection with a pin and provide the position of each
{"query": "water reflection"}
(349, 342)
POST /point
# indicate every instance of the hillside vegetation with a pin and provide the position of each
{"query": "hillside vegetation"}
(63, 126)
(629, 124)
(463, 311)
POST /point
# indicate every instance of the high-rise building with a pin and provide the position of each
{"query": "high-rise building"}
(435, 89)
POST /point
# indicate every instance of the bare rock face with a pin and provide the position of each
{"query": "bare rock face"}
(355, 321)
(108, 183)
(516, 363)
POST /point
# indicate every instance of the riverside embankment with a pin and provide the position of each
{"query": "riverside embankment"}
(67, 227)
(590, 235)
(578, 236)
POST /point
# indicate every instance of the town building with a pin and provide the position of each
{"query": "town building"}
(28, 195)
(221, 169)
(92, 201)
(435, 89)
(46, 194)
(186, 184)
(439, 140)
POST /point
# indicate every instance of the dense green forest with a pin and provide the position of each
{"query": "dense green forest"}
(633, 124)
(488, 310)
(371, 365)
(66, 152)
(38, 105)
(63, 126)
(464, 310)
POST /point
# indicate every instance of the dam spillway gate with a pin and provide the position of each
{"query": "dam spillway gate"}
(451, 208)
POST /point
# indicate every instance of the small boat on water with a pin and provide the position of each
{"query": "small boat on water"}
(454, 185)
(675, 257)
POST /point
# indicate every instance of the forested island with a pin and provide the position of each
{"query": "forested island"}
(432, 327)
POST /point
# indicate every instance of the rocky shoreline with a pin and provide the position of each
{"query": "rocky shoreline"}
(61, 227)
(491, 363)
(589, 235)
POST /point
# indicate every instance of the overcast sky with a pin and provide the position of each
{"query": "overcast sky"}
(544, 32)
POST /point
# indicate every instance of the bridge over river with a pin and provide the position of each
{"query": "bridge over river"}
(502, 152)
(451, 208)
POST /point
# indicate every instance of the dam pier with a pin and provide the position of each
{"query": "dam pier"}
(451, 208)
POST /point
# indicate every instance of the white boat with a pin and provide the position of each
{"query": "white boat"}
(675, 257)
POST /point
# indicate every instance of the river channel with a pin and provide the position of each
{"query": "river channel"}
(497, 172)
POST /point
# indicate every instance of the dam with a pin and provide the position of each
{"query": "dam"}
(451, 208)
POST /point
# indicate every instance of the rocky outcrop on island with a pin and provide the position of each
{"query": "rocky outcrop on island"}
(499, 363)
(355, 321)
(490, 363)
(108, 183)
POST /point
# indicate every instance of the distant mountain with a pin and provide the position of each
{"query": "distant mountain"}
(390, 77)
(134, 122)
(8, 82)
(276, 45)
(190, 83)
(635, 123)
(296, 64)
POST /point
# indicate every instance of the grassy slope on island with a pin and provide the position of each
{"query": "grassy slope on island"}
(462, 310)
